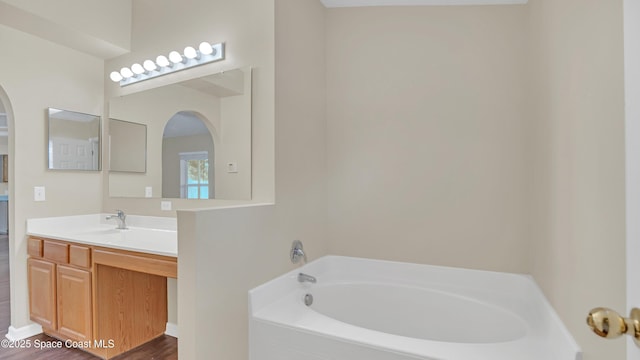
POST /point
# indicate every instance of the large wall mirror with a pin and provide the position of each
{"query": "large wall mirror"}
(74, 140)
(198, 139)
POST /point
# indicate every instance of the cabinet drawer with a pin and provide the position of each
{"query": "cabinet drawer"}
(56, 251)
(79, 256)
(34, 247)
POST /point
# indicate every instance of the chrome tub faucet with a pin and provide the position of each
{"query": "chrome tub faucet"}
(297, 255)
(297, 252)
(302, 277)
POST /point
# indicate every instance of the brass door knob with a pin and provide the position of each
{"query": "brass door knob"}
(609, 324)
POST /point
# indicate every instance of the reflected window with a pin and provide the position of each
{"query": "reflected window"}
(194, 175)
(187, 150)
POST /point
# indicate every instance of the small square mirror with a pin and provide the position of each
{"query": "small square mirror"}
(74, 140)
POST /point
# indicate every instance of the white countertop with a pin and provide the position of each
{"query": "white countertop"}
(146, 234)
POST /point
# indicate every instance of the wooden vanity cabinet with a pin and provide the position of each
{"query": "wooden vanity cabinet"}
(98, 295)
(42, 292)
(59, 292)
(74, 303)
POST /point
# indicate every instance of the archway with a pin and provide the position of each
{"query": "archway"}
(188, 157)
(7, 206)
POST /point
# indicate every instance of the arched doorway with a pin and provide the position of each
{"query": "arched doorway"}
(6, 210)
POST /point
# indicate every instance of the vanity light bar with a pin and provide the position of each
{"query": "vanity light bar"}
(190, 57)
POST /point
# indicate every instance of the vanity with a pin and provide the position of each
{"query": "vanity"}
(99, 288)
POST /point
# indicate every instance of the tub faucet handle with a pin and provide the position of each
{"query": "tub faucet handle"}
(297, 252)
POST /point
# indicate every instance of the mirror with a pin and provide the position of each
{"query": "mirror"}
(74, 140)
(127, 146)
(198, 143)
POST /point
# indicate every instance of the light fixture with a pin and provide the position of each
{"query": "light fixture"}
(205, 48)
(175, 57)
(115, 76)
(206, 53)
(149, 65)
(126, 72)
(162, 61)
(137, 69)
(190, 53)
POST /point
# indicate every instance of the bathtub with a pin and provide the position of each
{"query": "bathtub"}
(366, 309)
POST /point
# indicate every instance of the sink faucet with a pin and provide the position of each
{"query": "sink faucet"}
(121, 218)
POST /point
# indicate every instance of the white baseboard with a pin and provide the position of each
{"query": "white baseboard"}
(24, 332)
(28, 331)
(171, 330)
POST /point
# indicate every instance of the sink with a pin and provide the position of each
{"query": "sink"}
(102, 231)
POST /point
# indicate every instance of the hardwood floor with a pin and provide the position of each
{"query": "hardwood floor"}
(162, 348)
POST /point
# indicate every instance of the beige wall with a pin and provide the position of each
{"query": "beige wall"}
(247, 29)
(497, 143)
(64, 79)
(235, 145)
(426, 133)
(577, 161)
(227, 252)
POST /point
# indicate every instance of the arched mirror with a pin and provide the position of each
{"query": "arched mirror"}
(188, 155)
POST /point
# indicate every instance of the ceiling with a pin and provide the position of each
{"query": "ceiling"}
(356, 3)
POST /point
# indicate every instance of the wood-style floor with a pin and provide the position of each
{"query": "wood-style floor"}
(162, 348)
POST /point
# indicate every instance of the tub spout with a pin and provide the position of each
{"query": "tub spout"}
(302, 277)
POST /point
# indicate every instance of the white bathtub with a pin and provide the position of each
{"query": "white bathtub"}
(380, 310)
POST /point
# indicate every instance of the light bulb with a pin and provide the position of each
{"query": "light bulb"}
(149, 65)
(126, 72)
(115, 76)
(162, 61)
(137, 69)
(190, 53)
(175, 57)
(205, 48)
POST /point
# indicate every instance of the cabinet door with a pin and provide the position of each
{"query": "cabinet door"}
(74, 303)
(42, 292)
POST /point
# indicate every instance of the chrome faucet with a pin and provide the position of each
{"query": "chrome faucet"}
(297, 252)
(121, 218)
(302, 277)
